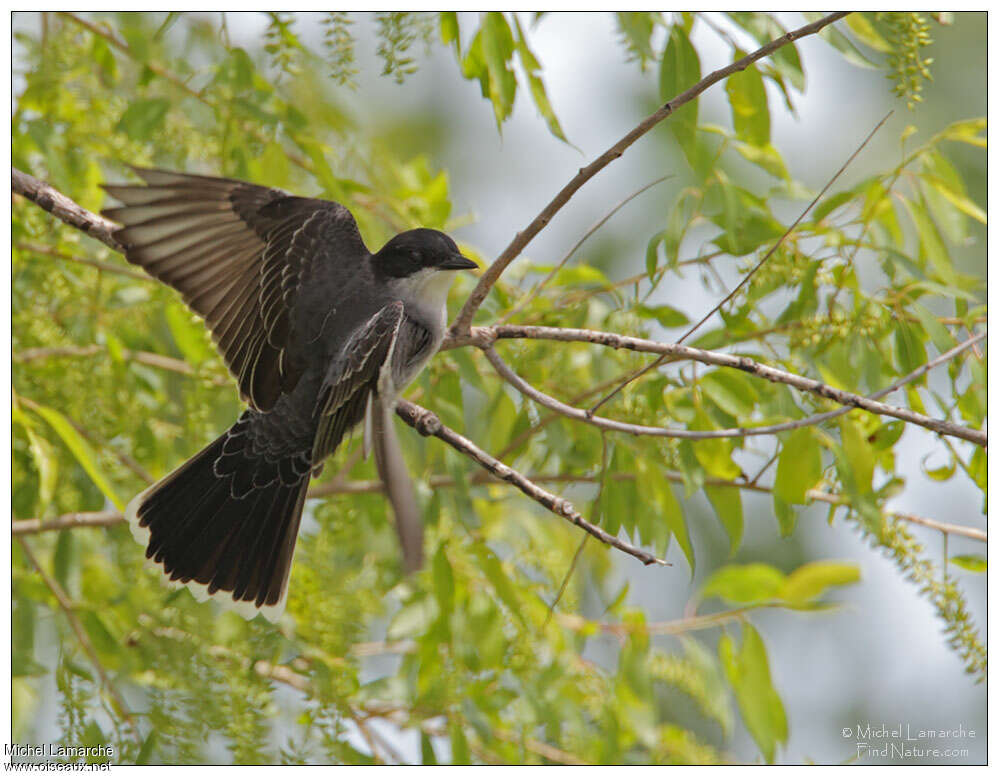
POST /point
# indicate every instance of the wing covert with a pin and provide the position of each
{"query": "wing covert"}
(353, 376)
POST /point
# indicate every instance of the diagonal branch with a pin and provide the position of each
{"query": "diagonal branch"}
(428, 424)
(512, 251)
(50, 199)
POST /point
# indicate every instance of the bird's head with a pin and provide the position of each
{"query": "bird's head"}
(422, 252)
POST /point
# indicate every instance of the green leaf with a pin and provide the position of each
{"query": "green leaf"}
(764, 28)
(443, 581)
(450, 31)
(971, 562)
(840, 42)
(488, 60)
(714, 454)
(413, 618)
(744, 583)
(143, 117)
(637, 28)
(968, 131)
(727, 503)
(63, 558)
(679, 70)
(861, 26)
(732, 391)
(672, 512)
(748, 672)
(931, 247)
(767, 157)
(460, 753)
(532, 69)
(799, 466)
(938, 333)
(81, 449)
(427, 756)
(859, 454)
(810, 581)
(147, 749)
(667, 316)
(750, 111)
(187, 334)
(909, 347)
(44, 457)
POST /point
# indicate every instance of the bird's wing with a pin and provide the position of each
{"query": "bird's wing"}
(352, 376)
(238, 254)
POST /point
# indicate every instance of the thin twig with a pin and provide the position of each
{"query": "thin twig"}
(117, 269)
(140, 357)
(428, 424)
(512, 251)
(594, 516)
(634, 376)
(523, 303)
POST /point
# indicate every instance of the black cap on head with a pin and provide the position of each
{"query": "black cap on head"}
(420, 249)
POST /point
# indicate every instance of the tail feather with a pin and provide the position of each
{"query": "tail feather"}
(225, 527)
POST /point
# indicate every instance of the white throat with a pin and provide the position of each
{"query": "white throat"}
(424, 294)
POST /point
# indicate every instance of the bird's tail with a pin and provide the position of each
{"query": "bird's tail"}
(224, 524)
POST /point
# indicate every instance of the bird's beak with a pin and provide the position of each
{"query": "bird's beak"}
(458, 262)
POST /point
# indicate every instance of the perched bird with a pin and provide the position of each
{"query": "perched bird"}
(320, 334)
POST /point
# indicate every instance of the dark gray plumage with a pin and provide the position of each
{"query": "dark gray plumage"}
(318, 332)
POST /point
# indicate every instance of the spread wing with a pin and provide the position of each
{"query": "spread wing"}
(238, 254)
(353, 376)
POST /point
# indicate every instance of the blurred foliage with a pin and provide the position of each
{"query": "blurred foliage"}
(465, 652)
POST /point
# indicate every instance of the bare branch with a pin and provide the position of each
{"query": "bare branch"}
(62, 207)
(512, 251)
(68, 521)
(428, 424)
(140, 357)
(483, 337)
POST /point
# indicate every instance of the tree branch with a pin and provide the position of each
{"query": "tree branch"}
(428, 424)
(512, 251)
(112, 518)
(484, 337)
(50, 199)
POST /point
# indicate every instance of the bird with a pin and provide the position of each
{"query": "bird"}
(320, 334)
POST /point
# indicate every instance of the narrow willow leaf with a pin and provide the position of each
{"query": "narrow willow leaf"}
(727, 503)
(799, 466)
(81, 449)
(859, 454)
(861, 26)
(972, 562)
(748, 672)
(744, 583)
(679, 70)
(750, 111)
(143, 117)
(810, 581)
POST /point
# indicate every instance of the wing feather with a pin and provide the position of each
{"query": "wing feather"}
(352, 378)
(239, 254)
